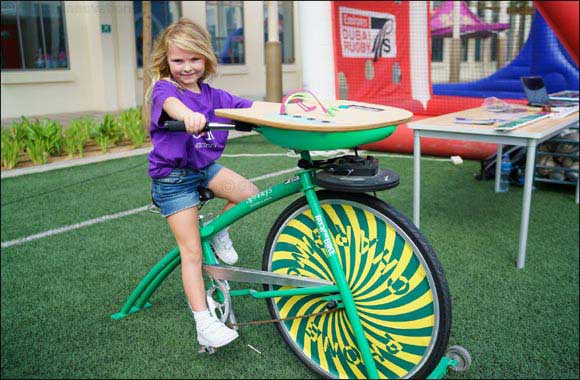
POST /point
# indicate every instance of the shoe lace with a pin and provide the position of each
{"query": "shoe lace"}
(213, 324)
(223, 240)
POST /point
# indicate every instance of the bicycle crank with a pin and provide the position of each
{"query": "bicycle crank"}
(222, 310)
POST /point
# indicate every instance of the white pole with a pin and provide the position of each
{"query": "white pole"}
(274, 85)
(273, 21)
(317, 48)
(456, 19)
(419, 21)
(503, 15)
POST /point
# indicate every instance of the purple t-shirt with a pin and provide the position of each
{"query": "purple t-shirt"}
(178, 150)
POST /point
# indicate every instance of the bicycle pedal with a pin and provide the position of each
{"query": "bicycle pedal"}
(207, 349)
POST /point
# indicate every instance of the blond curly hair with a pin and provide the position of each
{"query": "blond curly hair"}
(184, 34)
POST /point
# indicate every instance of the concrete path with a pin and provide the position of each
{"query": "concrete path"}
(63, 118)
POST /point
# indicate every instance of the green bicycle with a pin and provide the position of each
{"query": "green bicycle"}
(354, 287)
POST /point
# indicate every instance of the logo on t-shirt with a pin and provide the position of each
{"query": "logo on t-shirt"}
(209, 136)
(206, 144)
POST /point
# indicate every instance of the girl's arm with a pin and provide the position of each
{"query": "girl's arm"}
(194, 121)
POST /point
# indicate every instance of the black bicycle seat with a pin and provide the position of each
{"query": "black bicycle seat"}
(384, 179)
(347, 165)
(205, 194)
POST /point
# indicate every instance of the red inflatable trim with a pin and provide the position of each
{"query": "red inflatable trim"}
(562, 16)
(402, 142)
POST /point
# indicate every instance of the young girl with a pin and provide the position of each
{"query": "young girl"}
(180, 162)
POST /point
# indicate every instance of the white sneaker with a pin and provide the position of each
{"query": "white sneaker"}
(224, 248)
(213, 333)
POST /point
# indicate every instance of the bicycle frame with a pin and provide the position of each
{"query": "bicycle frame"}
(304, 182)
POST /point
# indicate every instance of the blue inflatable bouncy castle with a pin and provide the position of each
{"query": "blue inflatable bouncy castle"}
(542, 55)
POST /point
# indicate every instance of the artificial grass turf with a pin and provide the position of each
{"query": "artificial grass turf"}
(58, 292)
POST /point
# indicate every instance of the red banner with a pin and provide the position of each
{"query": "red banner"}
(372, 52)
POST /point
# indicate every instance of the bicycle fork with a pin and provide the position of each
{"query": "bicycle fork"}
(309, 189)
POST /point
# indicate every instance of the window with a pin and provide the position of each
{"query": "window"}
(225, 24)
(163, 13)
(33, 35)
(477, 54)
(285, 28)
(494, 43)
(437, 4)
(481, 15)
(493, 48)
(437, 49)
(464, 49)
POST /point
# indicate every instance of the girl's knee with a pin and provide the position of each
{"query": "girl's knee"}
(191, 255)
(253, 190)
(247, 190)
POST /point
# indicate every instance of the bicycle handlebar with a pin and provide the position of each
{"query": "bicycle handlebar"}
(179, 126)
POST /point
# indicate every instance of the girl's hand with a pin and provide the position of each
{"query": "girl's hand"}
(194, 122)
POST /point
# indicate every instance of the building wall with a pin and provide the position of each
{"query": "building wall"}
(248, 80)
(103, 73)
(31, 92)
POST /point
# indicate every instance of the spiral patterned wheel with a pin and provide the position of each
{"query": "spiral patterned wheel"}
(397, 283)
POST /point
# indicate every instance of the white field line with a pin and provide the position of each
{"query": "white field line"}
(140, 209)
(71, 163)
(89, 160)
(105, 218)
(71, 227)
(334, 153)
(254, 155)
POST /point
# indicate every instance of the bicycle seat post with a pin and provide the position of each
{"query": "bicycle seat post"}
(305, 155)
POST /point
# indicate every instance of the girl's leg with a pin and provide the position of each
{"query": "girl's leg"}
(210, 331)
(184, 225)
(231, 186)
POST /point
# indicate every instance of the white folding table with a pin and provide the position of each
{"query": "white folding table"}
(530, 136)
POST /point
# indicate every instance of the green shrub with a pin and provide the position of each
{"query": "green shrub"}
(11, 146)
(106, 133)
(43, 138)
(20, 129)
(130, 123)
(56, 138)
(14, 141)
(76, 136)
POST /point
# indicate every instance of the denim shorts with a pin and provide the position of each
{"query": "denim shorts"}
(178, 191)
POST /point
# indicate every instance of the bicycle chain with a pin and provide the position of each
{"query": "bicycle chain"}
(264, 321)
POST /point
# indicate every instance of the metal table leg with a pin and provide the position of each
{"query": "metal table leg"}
(416, 176)
(529, 179)
(498, 166)
(577, 185)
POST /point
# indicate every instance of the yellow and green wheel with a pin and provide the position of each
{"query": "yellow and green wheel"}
(397, 282)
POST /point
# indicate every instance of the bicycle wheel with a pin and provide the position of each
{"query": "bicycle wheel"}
(397, 282)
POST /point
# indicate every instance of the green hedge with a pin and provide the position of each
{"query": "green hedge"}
(40, 139)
